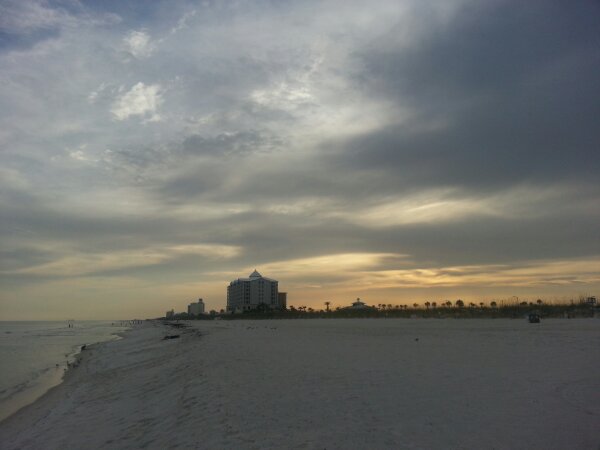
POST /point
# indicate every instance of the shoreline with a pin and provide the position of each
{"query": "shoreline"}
(82, 382)
(41, 388)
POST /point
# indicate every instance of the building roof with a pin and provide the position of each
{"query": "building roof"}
(253, 276)
(359, 304)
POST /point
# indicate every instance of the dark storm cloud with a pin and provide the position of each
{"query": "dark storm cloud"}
(494, 240)
(489, 47)
(232, 144)
(505, 92)
(474, 241)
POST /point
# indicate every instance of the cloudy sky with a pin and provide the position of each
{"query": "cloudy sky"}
(397, 151)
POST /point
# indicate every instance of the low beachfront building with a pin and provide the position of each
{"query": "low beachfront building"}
(196, 308)
(170, 314)
(254, 292)
(358, 304)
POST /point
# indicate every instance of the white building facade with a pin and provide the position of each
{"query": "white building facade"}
(247, 294)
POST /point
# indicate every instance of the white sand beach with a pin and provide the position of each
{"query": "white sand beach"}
(328, 384)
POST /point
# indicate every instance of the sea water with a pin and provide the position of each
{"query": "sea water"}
(35, 355)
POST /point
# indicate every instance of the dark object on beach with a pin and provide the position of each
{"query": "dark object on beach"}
(534, 318)
(171, 336)
(83, 347)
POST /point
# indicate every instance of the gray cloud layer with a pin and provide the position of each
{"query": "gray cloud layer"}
(187, 142)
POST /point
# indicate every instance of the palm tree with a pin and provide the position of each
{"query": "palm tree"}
(433, 305)
(493, 304)
(481, 304)
(539, 301)
(427, 304)
(327, 306)
(448, 303)
(416, 305)
(459, 303)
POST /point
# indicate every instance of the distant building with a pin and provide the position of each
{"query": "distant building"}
(282, 297)
(170, 314)
(358, 304)
(246, 294)
(196, 308)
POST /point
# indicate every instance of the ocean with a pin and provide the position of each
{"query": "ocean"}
(34, 356)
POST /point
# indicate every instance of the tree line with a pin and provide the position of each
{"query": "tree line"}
(512, 308)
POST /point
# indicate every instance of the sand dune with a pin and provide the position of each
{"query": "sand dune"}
(415, 384)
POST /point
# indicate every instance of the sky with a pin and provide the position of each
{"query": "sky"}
(396, 151)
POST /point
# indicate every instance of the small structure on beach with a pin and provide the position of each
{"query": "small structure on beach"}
(359, 304)
(534, 317)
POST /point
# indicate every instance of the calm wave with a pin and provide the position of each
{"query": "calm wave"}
(34, 356)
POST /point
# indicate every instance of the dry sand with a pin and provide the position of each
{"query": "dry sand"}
(334, 384)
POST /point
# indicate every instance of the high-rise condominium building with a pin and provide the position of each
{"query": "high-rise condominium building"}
(246, 294)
